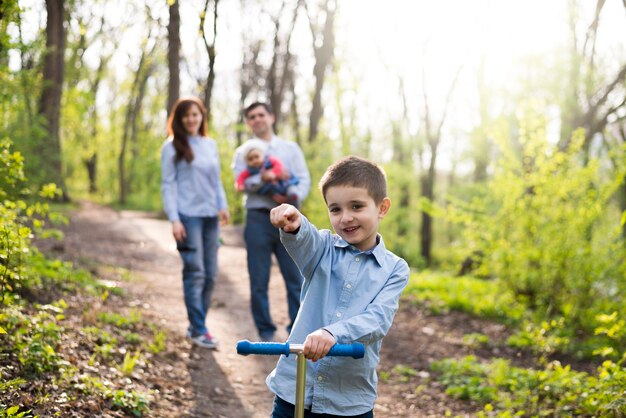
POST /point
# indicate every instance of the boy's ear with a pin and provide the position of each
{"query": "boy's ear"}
(383, 207)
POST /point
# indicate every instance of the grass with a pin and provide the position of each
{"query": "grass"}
(442, 293)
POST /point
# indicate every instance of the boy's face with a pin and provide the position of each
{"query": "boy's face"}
(354, 215)
(254, 158)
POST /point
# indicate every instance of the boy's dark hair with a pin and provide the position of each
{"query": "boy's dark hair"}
(254, 106)
(356, 172)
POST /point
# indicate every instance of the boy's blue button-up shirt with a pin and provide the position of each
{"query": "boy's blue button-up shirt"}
(193, 189)
(355, 296)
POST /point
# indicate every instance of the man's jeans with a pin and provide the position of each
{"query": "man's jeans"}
(263, 239)
(199, 254)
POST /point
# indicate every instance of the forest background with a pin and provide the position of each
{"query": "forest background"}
(501, 126)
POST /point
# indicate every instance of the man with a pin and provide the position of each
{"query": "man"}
(262, 239)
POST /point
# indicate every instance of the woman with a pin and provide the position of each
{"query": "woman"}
(194, 200)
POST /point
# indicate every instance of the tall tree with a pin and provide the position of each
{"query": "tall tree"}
(323, 47)
(432, 134)
(50, 101)
(211, 52)
(280, 75)
(173, 54)
(590, 102)
(129, 136)
(251, 71)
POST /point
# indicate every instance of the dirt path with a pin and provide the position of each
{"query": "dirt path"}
(223, 384)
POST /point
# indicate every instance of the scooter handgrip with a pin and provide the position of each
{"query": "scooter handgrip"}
(354, 350)
(245, 347)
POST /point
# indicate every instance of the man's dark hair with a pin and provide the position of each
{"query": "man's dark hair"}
(254, 106)
(356, 172)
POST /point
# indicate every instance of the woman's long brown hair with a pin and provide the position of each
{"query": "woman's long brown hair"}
(176, 129)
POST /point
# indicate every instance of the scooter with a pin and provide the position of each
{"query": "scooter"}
(245, 347)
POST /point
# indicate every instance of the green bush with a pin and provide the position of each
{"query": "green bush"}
(507, 391)
(547, 229)
(483, 298)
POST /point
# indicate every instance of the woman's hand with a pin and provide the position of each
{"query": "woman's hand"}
(224, 216)
(178, 230)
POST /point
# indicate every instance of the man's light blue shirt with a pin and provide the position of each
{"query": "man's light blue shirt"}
(352, 294)
(292, 158)
(193, 189)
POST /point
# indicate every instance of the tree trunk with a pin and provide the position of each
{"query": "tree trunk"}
(50, 102)
(91, 165)
(433, 139)
(173, 55)
(428, 192)
(130, 121)
(324, 50)
(210, 49)
(91, 162)
(279, 81)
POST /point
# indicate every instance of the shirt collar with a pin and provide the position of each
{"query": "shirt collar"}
(378, 251)
(270, 142)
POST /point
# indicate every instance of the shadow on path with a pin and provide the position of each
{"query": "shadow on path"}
(223, 383)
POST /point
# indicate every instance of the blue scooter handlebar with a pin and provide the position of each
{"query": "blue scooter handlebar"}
(245, 347)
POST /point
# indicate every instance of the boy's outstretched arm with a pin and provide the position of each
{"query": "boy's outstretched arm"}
(286, 217)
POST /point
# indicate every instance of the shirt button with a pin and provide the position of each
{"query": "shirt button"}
(349, 286)
(338, 314)
(320, 378)
(357, 259)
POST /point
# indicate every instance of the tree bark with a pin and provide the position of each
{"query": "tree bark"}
(281, 72)
(324, 50)
(92, 161)
(50, 101)
(210, 49)
(173, 55)
(144, 69)
(433, 138)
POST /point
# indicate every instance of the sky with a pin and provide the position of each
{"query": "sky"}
(378, 43)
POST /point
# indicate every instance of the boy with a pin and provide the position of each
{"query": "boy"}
(254, 153)
(351, 292)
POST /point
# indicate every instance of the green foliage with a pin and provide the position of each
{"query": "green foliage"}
(14, 412)
(318, 156)
(400, 228)
(158, 342)
(475, 340)
(545, 338)
(507, 391)
(483, 298)
(132, 402)
(544, 229)
(129, 363)
(121, 320)
(33, 338)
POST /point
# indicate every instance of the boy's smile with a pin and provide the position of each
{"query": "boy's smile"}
(354, 215)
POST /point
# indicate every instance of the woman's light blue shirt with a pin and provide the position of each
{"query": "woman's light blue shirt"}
(355, 296)
(193, 189)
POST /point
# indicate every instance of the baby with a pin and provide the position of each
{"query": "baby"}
(281, 190)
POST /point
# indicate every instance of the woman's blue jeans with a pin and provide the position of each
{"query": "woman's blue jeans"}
(199, 254)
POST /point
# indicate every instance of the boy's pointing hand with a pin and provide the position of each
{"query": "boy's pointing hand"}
(286, 217)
